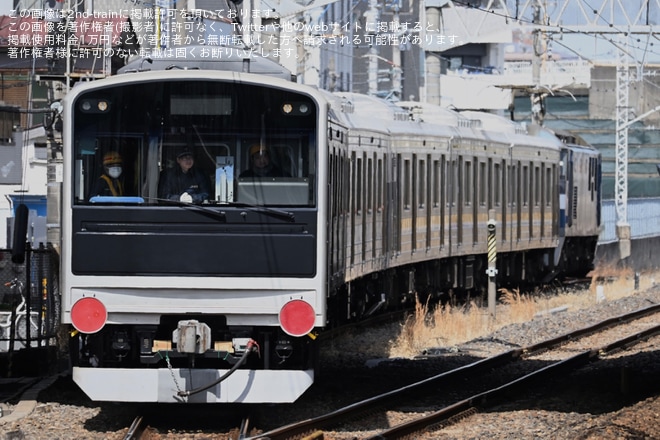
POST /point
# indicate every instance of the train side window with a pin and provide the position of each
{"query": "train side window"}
(346, 174)
(497, 187)
(537, 186)
(370, 185)
(359, 187)
(436, 183)
(406, 184)
(379, 185)
(525, 185)
(468, 183)
(443, 180)
(482, 184)
(453, 188)
(513, 185)
(421, 197)
(429, 181)
(549, 172)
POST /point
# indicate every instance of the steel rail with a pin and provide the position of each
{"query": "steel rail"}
(484, 399)
(309, 425)
(135, 430)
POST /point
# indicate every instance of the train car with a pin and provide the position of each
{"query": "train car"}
(583, 221)
(167, 297)
(216, 293)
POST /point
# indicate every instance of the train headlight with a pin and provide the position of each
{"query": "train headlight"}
(88, 315)
(94, 105)
(296, 108)
(297, 318)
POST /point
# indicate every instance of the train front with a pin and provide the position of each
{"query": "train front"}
(192, 261)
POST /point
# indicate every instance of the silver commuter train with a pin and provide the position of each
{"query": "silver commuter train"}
(221, 301)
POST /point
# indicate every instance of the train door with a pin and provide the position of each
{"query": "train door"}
(369, 214)
(419, 206)
(430, 202)
(336, 203)
(516, 193)
(355, 220)
(528, 193)
(389, 204)
(460, 190)
(451, 189)
(407, 231)
(368, 209)
(541, 170)
(378, 248)
(478, 195)
(395, 207)
(501, 198)
(443, 201)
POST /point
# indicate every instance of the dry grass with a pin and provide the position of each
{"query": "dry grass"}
(447, 325)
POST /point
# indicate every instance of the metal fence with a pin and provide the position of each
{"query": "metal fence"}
(643, 218)
(29, 300)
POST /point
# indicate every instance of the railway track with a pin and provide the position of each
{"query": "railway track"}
(538, 355)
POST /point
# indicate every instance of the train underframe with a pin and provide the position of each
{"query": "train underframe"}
(242, 363)
(457, 279)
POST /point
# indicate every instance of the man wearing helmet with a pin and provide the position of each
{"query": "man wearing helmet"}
(261, 164)
(110, 183)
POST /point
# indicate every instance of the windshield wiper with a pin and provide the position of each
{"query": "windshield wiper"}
(202, 209)
(206, 209)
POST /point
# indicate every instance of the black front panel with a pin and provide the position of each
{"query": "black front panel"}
(178, 241)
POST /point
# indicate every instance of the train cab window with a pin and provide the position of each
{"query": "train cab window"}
(108, 171)
(149, 124)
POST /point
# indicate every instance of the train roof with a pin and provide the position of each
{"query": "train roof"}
(422, 119)
(426, 112)
(227, 58)
(377, 114)
(370, 108)
(491, 122)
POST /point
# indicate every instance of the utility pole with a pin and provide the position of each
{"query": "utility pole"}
(537, 97)
(432, 61)
(396, 50)
(371, 26)
(604, 17)
(621, 163)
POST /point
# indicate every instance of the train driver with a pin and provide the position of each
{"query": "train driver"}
(261, 164)
(185, 182)
(111, 182)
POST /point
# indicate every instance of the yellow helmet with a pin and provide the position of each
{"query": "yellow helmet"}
(257, 148)
(112, 158)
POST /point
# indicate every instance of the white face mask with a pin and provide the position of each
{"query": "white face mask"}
(114, 172)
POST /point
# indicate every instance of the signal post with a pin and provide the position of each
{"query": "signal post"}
(492, 257)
